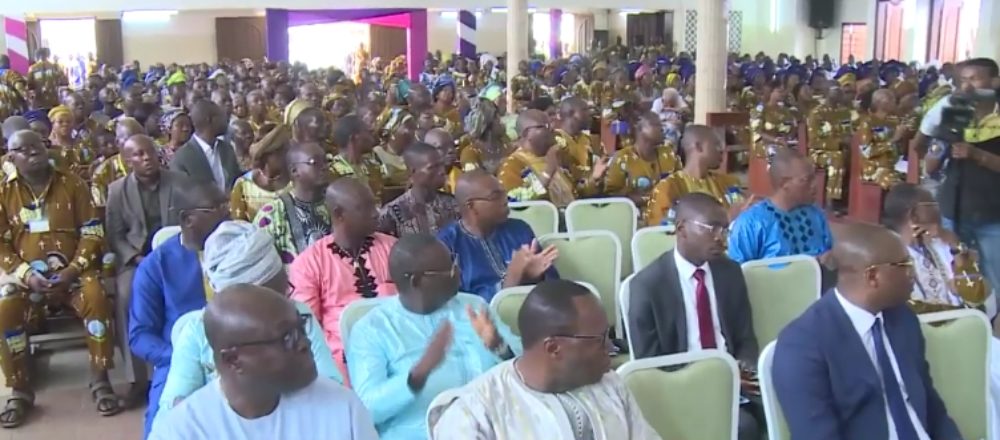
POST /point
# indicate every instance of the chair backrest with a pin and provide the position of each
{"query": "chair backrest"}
(164, 234)
(649, 243)
(699, 400)
(438, 406)
(623, 305)
(354, 312)
(777, 428)
(618, 215)
(958, 349)
(594, 257)
(506, 304)
(541, 215)
(780, 289)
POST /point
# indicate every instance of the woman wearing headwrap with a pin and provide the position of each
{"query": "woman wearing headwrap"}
(773, 124)
(646, 92)
(308, 124)
(754, 91)
(397, 133)
(236, 253)
(177, 126)
(63, 145)
(443, 94)
(267, 179)
(485, 144)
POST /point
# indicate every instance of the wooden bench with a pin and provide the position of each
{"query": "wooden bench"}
(724, 121)
(864, 199)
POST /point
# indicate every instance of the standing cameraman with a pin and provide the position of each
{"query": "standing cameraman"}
(969, 203)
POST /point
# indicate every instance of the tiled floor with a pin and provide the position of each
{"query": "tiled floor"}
(63, 408)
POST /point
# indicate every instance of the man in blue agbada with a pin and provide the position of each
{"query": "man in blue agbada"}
(425, 340)
(788, 222)
(161, 294)
(493, 250)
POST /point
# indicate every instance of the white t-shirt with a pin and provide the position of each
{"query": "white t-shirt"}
(323, 410)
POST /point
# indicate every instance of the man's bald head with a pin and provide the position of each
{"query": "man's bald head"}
(345, 192)
(439, 138)
(139, 142)
(696, 134)
(786, 163)
(860, 245)
(23, 137)
(242, 310)
(696, 206)
(126, 128)
(472, 184)
(530, 118)
(570, 106)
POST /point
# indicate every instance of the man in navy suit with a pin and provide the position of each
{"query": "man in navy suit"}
(852, 366)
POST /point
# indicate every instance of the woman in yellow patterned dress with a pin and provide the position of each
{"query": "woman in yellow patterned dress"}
(882, 135)
(397, 133)
(636, 169)
(443, 94)
(486, 144)
(267, 179)
(63, 147)
(773, 124)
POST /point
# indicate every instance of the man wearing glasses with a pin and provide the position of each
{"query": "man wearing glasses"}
(268, 386)
(493, 250)
(50, 243)
(169, 282)
(854, 364)
(560, 388)
(694, 298)
(298, 217)
(397, 382)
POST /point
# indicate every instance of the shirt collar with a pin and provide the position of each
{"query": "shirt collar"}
(687, 268)
(205, 146)
(861, 319)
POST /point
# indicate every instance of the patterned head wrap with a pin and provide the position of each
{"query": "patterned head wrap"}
(168, 118)
(397, 117)
(491, 92)
(59, 110)
(440, 83)
(38, 115)
(272, 142)
(294, 109)
(239, 253)
(480, 117)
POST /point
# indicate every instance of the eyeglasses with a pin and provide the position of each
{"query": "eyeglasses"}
(530, 127)
(906, 264)
(223, 206)
(450, 273)
(717, 230)
(603, 338)
(313, 162)
(494, 196)
(289, 340)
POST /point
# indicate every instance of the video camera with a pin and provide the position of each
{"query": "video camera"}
(959, 113)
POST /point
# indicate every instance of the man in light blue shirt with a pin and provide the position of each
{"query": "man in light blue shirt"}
(426, 340)
(268, 387)
(236, 253)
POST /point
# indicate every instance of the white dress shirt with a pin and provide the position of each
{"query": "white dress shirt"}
(214, 161)
(863, 321)
(685, 272)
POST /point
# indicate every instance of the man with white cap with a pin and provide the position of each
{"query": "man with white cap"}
(236, 253)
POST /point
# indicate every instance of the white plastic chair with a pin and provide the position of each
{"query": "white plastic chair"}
(165, 233)
(541, 215)
(777, 428)
(779, 290)
(594, 257)
(649, 243)
(624, 301)
(353, 313)
(617, 215)
(688, 402)
(438, 406)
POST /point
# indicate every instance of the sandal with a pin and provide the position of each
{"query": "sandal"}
(16, 409)
(107, 402)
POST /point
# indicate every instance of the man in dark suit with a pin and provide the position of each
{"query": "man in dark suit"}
(206, 156)
(852, 366)
(695, 298)
(139, 204)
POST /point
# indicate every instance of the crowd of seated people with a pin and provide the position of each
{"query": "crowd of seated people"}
(296, 194)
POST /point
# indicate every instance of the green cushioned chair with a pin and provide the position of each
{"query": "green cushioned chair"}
(777, 428)
(780, 289)
(649, 243)
(592, 257)
(542, 216)
(698, 401)
(958, 352)
(618, 215)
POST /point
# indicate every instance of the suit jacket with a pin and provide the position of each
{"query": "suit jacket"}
(127, 230)
(190, 159)
(829, 388)
(657, 323)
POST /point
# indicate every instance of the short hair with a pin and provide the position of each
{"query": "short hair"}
(406, 254)
(898, 203)
(347, 127)
(983, 63)
(696, 203)
(416, 152)
(549, 311)
(202, 111)
(191, 192)
(569, 105)
(13, 125)
(542, 103)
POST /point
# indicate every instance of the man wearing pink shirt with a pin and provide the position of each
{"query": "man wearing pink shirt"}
(349, 264)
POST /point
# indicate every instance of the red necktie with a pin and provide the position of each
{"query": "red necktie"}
(706, 329)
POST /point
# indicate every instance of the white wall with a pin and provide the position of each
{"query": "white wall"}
(491, 33)
(188, 37)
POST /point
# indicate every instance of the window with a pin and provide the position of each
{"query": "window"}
(327, 44)
(853, 39)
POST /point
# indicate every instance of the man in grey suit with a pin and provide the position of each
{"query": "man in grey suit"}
(206, 156)
(139, 204)
(695, 298)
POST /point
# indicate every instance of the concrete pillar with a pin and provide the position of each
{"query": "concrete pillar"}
(710, 85)
(416, 43)
(517, 43)
(467, 34)
(16, 41)
(555, 34)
